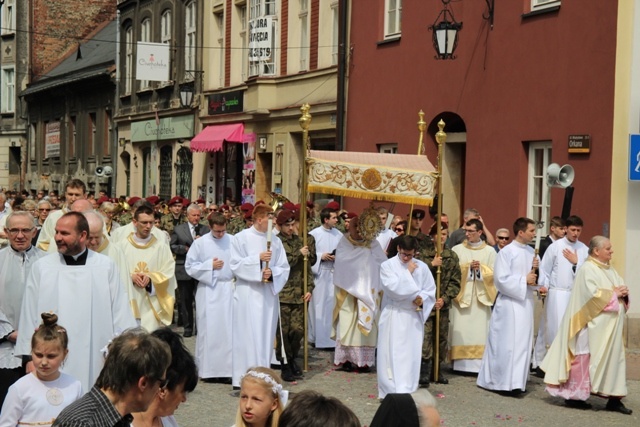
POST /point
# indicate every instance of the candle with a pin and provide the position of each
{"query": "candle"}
(538, 236)
(269, 228)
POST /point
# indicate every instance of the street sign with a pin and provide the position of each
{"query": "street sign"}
(634, 158)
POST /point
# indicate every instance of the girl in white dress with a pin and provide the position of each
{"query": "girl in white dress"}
(262, 398)
(38, 397)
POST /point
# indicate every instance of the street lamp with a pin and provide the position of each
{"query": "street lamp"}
(186, 95)
(445, 33)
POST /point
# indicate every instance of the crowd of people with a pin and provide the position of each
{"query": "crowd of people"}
(382, 293)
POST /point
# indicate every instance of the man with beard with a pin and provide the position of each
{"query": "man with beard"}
(84, 289)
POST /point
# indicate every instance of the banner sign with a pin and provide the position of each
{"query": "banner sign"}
(228, 102)
(177, 127)
(52, 140)
(260, 39)
(152, 62)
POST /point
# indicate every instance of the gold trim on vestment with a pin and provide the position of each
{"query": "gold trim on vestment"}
(489, 289)
(467, 352)
(44, 245)
(139, 246)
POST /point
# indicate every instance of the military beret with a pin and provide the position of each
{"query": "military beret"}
(333, 205)
(177, 200)
(132, 200)
(246, 207)
(284, 217)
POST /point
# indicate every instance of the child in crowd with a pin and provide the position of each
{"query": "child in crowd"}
(38, 397)
(262, 398)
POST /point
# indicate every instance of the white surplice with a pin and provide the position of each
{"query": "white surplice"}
(255, 303)
(323, 299)
(471, 309)
(557, 274)
(214, 304)
(401, 327)
(47, 234)
(507, 353)
(14, 270)
(385, 237)
(91, 303)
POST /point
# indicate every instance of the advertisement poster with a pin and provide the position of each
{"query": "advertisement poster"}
(249, 173)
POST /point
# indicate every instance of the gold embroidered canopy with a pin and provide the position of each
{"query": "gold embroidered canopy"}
(401, 178)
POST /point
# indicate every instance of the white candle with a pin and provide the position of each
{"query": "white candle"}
(269, 229)
(538, 236)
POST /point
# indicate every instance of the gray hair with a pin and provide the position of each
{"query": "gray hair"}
(193, 207)
(43, 202)
(20, 213)
(469, 213)
(597, 242)
(94, 217)
(423, 399)
(501, 230)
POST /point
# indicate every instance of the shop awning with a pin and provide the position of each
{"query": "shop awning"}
(212, 137)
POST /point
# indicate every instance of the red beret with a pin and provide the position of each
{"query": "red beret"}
(296, 207)
(102, 199)
(153, 200)
(224, 208)
(310, 204)
(289, 206)
(351, 215)
(248, 214)
(333, 205)
(185, 202)
(246, 207)
(284, 217)
(200, 201)
(177, 200)
(132, 200)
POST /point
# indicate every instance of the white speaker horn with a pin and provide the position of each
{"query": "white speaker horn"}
(560, 176)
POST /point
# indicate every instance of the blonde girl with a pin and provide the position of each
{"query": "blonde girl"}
(38, 397)
(262, 398)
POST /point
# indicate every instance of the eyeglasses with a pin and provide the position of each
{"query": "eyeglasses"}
(466, 230)
(503, 237)
(44, 210)
(16, 231)
(399, 229)
(406, 255)
(163, 382)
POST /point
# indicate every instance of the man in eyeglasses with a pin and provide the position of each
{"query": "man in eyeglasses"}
(15, 263)
(471, 308)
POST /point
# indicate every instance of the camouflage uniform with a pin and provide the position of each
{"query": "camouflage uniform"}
(450, 277)
(291, 303)
(340, 225)
(236, 225)
(167, 223)
(125, 218)
(313, 223)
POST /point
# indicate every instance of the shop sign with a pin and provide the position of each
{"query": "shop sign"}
(260, 39)
(52, 139)
(225, 103)
(178, 127)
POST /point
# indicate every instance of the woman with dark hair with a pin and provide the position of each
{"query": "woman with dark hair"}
(181, 378)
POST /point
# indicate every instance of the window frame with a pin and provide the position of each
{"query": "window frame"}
(8, 88)
(397, 18)
(128, 60)
(303, 16)
(261, 67)
(145, 37)
(538, 200)
(388, 148)
(8, 22)
(544, 4)
(190, 12)
(335, 33)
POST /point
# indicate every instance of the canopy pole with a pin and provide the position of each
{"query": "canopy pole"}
(422, 127)
(305, 121)
(441, 138)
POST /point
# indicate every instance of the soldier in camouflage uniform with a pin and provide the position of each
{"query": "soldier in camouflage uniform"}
(291, 296)
(175, 216)
(126, 217)
(238, 223)
(450, 277)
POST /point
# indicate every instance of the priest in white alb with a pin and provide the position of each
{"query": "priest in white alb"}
(99, 242)
(260, 276)
(507, 353)
(357, 280)
(558, 268)
(408, 297)
(84, 289)
(588, 356)
(471, 308)
(323, 299)
(208, 261)
(151, 267)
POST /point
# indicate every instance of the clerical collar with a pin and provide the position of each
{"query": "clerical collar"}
(79, 259)
(140, 240)
(599, 263)
(17, 251)
(475, 244)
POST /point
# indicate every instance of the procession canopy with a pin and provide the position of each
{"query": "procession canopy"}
(401, 178)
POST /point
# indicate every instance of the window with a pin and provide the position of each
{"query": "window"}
(108, 130)
(304, 34)
(219, 21)
(335, 37)
(91, 135)
(543, 4)
(8, 89)
(242, 14)
(145, 36)
(166, 31)
(8, 13)
(71, 137)
(538, 192)
(128, 62)
(392, 18)
(190, 40)
(391, 148)
(269, 7)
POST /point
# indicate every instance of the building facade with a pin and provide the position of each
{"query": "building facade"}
(529, 83)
